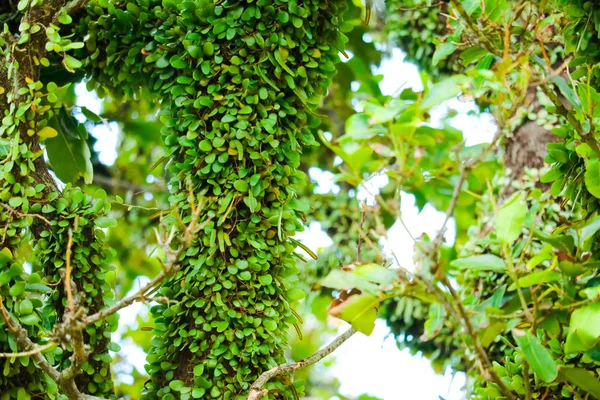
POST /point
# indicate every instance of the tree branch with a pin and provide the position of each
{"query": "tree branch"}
(256, 391)
(38, 349)
(22, 339)
(170, 266)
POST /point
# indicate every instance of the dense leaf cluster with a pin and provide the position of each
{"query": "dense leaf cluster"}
(237, 94)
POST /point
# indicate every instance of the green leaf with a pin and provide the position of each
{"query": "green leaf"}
(295, 294)
(592, 177)
(91, 116)
(589, 229)
(444, 90)
(560, 242)
(376, 273)
(241, 185)
(510, 218)
(47, 132)
(535, 278)
(281, 57)
(17, 289)
(342, 280)
(442, 52)
(358, 310)
(539, 358)
(106, 222)
(485, 262)
(435, 320)
(581, 379)
(176, 385)
(68, 153)
(71, 63)
(584, 329)
(15, 201)
(64, 18)
(269, 324)
(29, 319)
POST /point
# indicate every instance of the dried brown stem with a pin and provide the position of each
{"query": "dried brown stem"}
(24, 215)
(5, 316)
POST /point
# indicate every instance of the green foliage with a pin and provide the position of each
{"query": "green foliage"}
(220, 108)
(236, 109)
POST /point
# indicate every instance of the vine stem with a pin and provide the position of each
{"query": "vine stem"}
(256, 390)
(38, 349)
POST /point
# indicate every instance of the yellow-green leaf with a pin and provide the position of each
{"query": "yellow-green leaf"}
(47, 132)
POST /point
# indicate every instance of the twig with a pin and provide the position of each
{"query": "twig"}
(67, 385)
(256, 391)
(172, 258)
(360, 230)
(23, 215)
(5, 316)
(456, 307)
(109, 182)
(480, 352)
(488, 45)
(450, 211)
(140, 295)
(80, 355)
(38, 349)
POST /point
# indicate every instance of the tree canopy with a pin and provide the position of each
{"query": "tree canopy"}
(223, 111)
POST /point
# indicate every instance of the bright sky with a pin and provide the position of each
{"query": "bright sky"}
(371, 364)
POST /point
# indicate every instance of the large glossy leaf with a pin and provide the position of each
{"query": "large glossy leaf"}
(510, 218)
(539, 358)
(68, 151)
(536, 278)
(584, 329)
(376, 273)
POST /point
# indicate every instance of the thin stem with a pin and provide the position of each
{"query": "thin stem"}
(479, 350)
(256, 391)
(140, 295)
(38, 349)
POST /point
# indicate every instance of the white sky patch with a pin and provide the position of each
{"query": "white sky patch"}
(398, 75)
(399, 245)
(314, 238)
(325, 181)
(131, 352)
(374, 365)
(107, 135)
(89, 100)
(477, 128)
(370, 188)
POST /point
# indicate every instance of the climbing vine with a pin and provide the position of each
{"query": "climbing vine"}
(237, 95)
